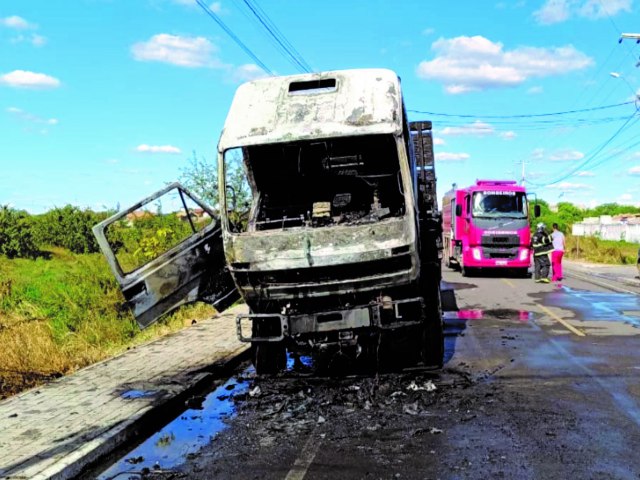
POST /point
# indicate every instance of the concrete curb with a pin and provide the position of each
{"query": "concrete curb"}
(67, 427)
(145, 422)
(594, 279)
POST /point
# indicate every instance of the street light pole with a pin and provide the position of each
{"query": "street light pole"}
(634, 36)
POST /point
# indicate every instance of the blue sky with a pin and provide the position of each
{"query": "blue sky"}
(103, 101)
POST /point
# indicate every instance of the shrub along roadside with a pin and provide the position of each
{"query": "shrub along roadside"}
(16, 234)
(64, 313)
(596, 250)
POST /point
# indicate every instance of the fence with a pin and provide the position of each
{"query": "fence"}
(608, 231)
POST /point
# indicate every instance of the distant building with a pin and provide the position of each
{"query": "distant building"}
(196, 214)
(138, 215)
(619, 227)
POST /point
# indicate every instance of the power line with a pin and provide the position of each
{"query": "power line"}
(590, 157)
(529, 115)
(615, 26)
(286, 47)
(234, 37)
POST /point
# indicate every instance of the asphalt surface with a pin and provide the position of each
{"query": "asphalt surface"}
(540, 381)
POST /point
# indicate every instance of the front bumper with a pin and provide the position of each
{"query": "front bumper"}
(386, 314)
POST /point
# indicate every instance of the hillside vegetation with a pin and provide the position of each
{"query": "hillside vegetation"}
(60, 306)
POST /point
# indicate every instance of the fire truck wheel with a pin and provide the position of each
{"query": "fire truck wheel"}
(269, 357)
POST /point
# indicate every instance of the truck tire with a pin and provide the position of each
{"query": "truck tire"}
(433, 329)
(466, 271)
(269, 358)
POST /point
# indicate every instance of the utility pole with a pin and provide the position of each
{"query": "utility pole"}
(631, 36)
(522, 164)
(634, 36)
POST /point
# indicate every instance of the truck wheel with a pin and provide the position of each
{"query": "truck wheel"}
(466, 271)
(433, 330)
(269, 357)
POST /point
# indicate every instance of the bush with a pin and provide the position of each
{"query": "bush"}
(16, 235)
(69, 227)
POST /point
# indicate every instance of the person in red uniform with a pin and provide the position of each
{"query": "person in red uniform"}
(557, 237)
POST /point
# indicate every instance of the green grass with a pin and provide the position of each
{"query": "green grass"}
(593, 249)
(66, 312)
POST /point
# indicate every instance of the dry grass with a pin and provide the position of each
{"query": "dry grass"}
(593, 249)
(65, 313)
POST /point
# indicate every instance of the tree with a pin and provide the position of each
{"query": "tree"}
(201, 177)
(69, 227)
(16, 234)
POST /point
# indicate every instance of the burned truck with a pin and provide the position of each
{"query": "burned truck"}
(327, 225)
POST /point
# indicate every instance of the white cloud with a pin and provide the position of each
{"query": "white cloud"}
(451, 157)
(216, 7)
(602, 8)
(438, 141)
(34, 39)
(553, 11)
(585, 173)
(535, 90)
(625, 197)
(557, 11)
(566, 155)
(16, 22)
(38, 40)
(247, 72)
(158, 149)
(428, 31)
(538, 153)
(467, 64)
(26, 79)
(477, 128)
(509, 135)
(30, 117)
(570, 187)
(176, 50)
(635, 171)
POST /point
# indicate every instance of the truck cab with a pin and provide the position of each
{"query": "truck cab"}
(487, 226)
(319, 226)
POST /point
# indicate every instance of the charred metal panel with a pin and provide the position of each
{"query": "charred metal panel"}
(193, 270)
(385, 314)
(305, 247)
(354, 107)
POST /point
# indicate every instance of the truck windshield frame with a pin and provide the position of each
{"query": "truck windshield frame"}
(500, 204)
(316, 183)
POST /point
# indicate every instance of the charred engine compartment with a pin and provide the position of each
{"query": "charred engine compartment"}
(318, 183)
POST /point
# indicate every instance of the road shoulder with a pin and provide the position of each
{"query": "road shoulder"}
(58, 429)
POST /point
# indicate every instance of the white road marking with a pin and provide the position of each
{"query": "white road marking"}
(306, 457)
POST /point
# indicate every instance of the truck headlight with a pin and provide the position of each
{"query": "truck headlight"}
(477, 253)
(524, 254)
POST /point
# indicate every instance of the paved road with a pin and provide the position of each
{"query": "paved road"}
(540, 381)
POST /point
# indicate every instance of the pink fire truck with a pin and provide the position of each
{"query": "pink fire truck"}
(486, 225)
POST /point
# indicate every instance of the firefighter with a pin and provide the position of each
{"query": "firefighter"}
(542, 245)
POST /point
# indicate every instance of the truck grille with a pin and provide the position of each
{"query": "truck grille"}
(500, 240)
(502, 253)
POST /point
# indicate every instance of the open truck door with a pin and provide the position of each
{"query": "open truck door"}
(166, 250)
